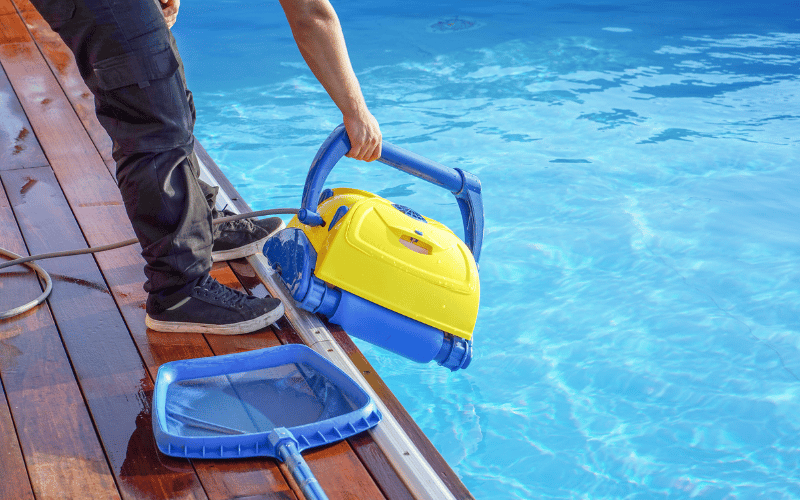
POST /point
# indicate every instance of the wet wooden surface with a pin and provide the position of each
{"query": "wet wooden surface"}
(18, 145)
(77, 372)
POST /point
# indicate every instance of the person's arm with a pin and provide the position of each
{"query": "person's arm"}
(319, 37)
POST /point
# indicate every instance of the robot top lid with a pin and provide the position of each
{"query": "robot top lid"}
(389, 255)
(397, 259)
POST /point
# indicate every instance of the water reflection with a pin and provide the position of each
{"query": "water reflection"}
(144, 470)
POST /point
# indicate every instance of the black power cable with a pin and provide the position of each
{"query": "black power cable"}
(28, 261)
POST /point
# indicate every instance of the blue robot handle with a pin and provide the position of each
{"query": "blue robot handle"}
(465, 186)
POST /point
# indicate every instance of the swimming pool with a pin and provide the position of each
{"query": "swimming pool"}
(639, 331)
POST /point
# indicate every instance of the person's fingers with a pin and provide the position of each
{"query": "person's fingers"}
(367, 152)
(354, 151)
(356, 143)
(365, 137)
(170, 10)
(375, 153)
(170, 20)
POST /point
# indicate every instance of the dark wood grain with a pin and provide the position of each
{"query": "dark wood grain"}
(59, 131)
(64, 458)
(15, 483)
(115, 384)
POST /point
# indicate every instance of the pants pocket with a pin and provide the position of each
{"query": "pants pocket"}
(142, 102)
(139, 67)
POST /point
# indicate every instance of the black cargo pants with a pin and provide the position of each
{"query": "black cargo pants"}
(129, 60)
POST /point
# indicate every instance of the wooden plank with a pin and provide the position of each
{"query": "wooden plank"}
(243, 479)
(18, 145)
(9, 21)
(15, 483)
(63, 455)
(7, 8)
(115, 384)
(62, 64)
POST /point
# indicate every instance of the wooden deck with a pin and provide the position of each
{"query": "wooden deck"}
(77, 372)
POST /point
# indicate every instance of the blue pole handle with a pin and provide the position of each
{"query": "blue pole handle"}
(465, 186)
(287, 451)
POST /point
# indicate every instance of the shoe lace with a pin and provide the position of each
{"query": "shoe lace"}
(245, 224)
(211, 288)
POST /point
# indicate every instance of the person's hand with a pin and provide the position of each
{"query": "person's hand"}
(365, 137)
(170, 10)
(318, 33)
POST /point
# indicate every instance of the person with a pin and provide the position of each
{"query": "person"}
(127, 56)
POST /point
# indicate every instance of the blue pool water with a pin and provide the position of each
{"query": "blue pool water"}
(639, 330)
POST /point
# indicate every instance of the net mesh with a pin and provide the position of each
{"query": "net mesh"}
(287, 395)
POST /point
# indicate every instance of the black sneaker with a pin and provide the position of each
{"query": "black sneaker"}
(243, 237)
(210, 307)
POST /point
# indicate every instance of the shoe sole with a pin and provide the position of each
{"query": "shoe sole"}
(246, 250)
(248, 326)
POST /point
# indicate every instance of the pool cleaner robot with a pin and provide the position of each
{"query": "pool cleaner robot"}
(385, 273)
